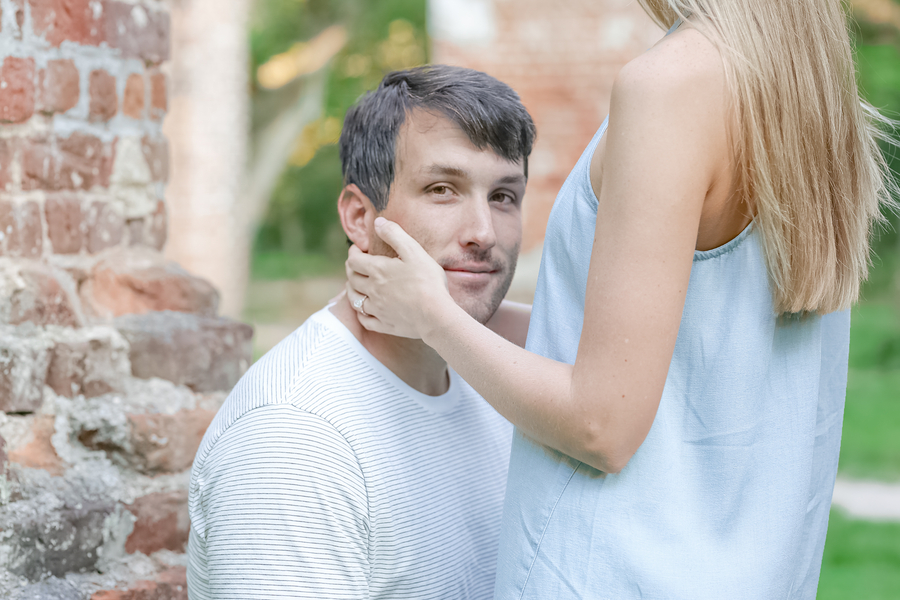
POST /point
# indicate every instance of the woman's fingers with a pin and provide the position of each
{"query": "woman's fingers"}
(357, 262)
(404, 245)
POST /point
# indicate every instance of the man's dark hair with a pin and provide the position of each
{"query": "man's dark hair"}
(486, 109)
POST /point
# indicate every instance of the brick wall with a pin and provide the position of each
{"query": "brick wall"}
(562, 58)
(112, 360)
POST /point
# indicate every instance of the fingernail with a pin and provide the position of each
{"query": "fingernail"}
(379, 221)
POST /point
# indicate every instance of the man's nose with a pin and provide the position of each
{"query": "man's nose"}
(479, 226)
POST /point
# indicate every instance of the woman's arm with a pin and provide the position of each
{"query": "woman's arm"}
(664, 148)
(510, 322)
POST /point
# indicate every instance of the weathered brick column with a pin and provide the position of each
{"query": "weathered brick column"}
(112, 360)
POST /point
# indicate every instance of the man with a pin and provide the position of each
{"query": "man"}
(350, 464)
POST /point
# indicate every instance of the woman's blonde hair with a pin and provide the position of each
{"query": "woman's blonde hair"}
(806, 151)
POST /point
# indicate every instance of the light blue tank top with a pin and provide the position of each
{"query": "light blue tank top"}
(729, 495)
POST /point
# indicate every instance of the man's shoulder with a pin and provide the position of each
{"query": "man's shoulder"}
(295, 374)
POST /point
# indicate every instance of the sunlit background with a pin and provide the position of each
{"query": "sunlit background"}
(259, 92)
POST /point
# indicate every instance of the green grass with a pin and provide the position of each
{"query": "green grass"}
(861, 561)
(870, 446)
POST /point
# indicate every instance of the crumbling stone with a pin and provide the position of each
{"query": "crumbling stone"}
(169, 585)
(38, 293)
(162, 523)
(139, 281)
(152, 427)
(89, 361)
(132, 177)
(24, 359)
(53, 536)
(51, 589)
(203, 353)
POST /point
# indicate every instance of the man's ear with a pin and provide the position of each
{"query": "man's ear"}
(357, 216)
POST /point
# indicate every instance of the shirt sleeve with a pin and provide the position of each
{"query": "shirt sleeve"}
(281, 510)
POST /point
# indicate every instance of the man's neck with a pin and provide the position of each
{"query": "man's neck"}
(414, 362)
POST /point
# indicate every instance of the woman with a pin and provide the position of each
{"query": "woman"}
(679, 405)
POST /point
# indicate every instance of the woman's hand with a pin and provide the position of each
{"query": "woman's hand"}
(396, 296)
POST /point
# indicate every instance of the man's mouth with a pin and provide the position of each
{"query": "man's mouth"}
(474, 268)
(471, 274)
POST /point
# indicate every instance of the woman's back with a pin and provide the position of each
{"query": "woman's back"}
(728, 496)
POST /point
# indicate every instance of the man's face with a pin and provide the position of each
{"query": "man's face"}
(462, 204)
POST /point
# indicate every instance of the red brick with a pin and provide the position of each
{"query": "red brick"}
(39, 164)
(137, 31)
(38, 452)
(105, 227)
(78, 162)
(104, 99)
(16, 89)
(65, 224)
(84, 162)
(67, 20)
(60, 86)
(156, 152)
(7, 156)
(169, 585)
(134, 99)
(159, 99)
(162, 523)
(22, 228)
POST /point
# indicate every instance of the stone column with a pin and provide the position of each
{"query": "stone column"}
(208, 130)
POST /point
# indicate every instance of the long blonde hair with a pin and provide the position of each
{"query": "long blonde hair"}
(805, 144)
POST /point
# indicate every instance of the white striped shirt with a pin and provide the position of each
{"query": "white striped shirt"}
(326, 476)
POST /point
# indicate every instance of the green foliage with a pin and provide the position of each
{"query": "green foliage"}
(878, 70)
(302, 214)
(861, 560)
(383, 36)
(870, 445)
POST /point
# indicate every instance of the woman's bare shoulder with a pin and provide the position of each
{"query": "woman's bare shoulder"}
(683, 63)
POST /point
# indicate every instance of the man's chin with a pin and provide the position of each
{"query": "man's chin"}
(479, 309)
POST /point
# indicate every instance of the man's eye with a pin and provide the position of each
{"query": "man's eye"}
(440, 190)
(503, 198)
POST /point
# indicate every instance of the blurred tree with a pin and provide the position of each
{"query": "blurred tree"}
(380, 37)
(391, 34)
